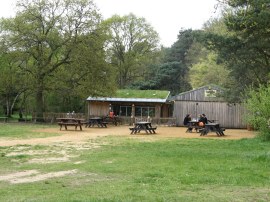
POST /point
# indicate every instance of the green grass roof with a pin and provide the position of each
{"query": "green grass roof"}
(126, 93)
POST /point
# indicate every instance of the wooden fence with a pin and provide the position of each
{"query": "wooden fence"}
(51, 117)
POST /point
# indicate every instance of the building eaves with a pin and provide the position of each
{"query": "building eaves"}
(109, 99)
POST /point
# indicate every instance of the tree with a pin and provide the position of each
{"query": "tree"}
(131, 47)
(245, 50)
(13, 83)
(172, 71)
(46, 33)
(258, 106)
(207, 71)
(77, 80)
(178, 54)
(205, 65)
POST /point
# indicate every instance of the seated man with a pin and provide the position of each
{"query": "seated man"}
(203, 119)
(186, 122)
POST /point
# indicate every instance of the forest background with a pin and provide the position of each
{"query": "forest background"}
(56, 53)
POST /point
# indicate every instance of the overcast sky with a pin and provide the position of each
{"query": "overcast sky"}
(166, 16)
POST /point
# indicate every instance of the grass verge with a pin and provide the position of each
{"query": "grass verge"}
(124, 169)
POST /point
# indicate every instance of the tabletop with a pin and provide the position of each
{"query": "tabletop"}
(96, 118)
(98, 121)
(69, 119)
(143, 125)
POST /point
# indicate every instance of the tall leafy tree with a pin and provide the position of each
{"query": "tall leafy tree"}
(245, 51)
(88, 74)
(131, 47)
(172, 72)
(46, 32)
(207, 71)
(178, 54)
(205, 65)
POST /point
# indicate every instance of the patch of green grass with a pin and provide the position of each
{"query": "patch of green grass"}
(128, 93)
(24, 131)
(126, 169)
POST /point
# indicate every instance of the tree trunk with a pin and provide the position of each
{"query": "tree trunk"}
(8, 108)
(13, 103)
(39, 105)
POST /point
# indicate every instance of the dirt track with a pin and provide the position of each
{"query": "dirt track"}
(71, 135)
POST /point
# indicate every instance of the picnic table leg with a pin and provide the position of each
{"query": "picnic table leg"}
(220, 132)
(137, 130)
(65, 126)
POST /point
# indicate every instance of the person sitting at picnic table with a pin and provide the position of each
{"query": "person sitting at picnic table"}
(203, 120)
(186, 122)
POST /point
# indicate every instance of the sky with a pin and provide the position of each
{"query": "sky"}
(167, 17)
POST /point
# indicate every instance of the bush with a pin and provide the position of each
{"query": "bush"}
(258, 105)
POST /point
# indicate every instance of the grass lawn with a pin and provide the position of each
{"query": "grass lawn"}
(24, 131)
(124, 169)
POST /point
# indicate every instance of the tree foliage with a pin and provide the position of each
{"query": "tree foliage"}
(12, 83)
(46, 34)
(207, 71)
(245, 50)
(132, 46)
(172, 71)
(179, 53)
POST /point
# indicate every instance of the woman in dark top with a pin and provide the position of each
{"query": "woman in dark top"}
(187, 119)
(186, 122)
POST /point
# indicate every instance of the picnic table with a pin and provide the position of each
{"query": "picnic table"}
(115, 120)
(194, 124)
(98, 121)
(212, 127)
(70, 122)
(143, 125)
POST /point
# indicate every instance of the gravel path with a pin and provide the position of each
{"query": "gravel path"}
(90, 133)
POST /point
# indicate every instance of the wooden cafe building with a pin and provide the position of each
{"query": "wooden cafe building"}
(129, 104)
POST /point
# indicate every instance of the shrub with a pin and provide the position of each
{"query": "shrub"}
(258, 105)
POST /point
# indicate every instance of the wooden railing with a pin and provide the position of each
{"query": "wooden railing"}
(157, 121)
(51, 117)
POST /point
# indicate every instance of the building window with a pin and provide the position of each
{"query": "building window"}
(144, 111)
(125, 110)
(210, 93)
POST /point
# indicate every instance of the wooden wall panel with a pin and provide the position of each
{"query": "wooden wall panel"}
(228, 115)
(98, 108)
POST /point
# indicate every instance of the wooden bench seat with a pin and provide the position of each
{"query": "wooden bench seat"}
(215, 128)
(133, 130)
(153, 129)
(104, 123)
(65, 124)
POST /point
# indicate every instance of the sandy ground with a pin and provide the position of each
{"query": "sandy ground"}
(78, 136)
